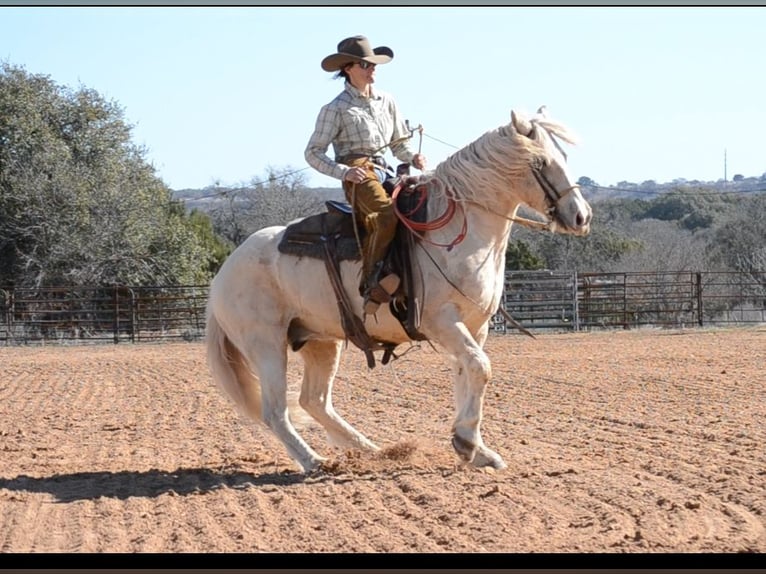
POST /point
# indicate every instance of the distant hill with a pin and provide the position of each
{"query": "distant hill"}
(649, 189)
(204, 198)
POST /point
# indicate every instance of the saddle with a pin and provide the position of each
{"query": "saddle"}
(333, 236)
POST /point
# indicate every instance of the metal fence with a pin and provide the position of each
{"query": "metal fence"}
(100, 314)
(578, 301)
(564, 301)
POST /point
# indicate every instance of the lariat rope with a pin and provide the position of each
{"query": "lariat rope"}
(417, 228)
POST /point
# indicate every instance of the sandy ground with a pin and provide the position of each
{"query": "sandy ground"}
(616, 442)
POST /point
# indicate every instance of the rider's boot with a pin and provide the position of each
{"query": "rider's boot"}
(377, 291)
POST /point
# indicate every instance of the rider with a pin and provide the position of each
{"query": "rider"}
(360, 123)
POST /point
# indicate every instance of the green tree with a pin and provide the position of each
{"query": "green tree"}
(601, 250)
(518, 256)
(585, 181)
(79, 203)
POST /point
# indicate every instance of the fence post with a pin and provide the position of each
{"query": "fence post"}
(576, 301)
(7, 315)
(625, 301)
(116, 320)
(133, 316)
(698, 279)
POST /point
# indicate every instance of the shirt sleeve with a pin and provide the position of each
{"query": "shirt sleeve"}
(326, 129)
(401, 150)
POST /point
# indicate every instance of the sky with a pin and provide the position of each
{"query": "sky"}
(220, 95)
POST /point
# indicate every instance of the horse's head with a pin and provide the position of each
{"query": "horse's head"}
(552, 191)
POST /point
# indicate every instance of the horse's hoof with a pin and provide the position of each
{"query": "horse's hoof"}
(486, 458)
(465, 450)
(313, 465)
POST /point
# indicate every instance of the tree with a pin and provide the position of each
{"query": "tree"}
(276, 199)
(738, 241)
(518, 256)
(661, 246)
(598, 251)
(79, 204)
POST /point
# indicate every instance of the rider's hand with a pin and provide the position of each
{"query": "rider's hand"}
(419, 161)
(355, 174)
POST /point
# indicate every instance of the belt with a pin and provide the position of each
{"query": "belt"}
(377, 160)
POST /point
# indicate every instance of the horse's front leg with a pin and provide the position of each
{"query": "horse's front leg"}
(471, 371)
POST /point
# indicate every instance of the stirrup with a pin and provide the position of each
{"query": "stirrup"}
(383, 291)
(370, 307)
(380, 293)
(390, 283)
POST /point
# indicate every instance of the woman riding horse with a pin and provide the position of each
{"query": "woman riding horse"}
(360, 123)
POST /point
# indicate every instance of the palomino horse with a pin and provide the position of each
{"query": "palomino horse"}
(263, 303)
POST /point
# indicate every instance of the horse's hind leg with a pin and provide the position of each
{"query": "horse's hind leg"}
(320, 359)
(270, 362)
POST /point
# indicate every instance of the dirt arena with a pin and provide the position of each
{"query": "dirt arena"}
(645, 441)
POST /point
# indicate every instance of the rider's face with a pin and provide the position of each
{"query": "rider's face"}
(360, 75)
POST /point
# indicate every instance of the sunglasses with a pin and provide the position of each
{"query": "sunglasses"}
(364, 64)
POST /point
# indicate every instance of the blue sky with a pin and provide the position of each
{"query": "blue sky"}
(219, 94)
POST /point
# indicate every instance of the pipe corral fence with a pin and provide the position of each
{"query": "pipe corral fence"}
(572, 301)
(102, 314)
(538, 300)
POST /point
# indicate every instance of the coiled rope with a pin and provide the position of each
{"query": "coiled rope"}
(418, 228)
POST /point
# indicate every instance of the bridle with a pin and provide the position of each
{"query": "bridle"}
(552, 198)
(552, 195)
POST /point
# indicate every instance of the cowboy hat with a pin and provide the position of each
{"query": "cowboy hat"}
(354, 49)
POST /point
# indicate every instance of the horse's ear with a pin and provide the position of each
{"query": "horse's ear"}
(522, 124)
(542, 111)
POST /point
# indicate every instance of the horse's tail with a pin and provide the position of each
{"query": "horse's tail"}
(230, 369)
(233, 375)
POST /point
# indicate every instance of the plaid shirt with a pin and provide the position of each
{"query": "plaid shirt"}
(354, 124)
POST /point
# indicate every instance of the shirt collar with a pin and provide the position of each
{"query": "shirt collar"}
(357, 94)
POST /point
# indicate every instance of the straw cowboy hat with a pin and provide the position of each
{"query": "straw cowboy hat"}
(354, 49)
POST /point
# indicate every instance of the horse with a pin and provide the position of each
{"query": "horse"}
(264, 304)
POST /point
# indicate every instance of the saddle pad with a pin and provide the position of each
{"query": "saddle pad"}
(307, 237)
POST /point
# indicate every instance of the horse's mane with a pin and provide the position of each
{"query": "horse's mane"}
(555, 130)
(499, 157)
